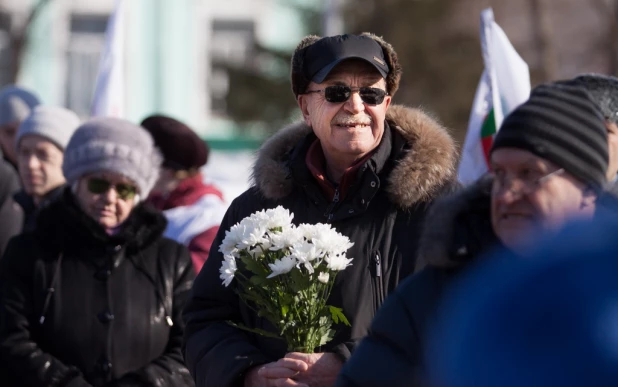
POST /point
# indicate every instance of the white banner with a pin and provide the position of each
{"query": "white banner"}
(110, 85)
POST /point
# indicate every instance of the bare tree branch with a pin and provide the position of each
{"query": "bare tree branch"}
(542, 33)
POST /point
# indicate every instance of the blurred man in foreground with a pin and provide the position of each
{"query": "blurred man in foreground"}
(551, 320)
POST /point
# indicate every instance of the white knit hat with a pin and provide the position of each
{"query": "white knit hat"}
(56, 124)
(113, 145)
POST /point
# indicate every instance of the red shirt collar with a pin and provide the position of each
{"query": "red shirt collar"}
(316, 162)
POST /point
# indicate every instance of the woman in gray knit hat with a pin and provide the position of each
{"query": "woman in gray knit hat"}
(93, 296)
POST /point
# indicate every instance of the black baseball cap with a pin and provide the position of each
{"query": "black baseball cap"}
(322, 56)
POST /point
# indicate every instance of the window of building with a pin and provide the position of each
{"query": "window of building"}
(232, 44)
(86, 44)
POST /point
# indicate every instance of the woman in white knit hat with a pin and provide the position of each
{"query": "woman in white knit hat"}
(93, 296)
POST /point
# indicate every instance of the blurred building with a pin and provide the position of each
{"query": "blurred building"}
(175, 52)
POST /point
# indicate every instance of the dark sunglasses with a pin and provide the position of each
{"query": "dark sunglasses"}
(339, 94)
(98, 186)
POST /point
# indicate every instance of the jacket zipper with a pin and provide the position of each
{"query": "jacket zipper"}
(378, 275)
(328, 214)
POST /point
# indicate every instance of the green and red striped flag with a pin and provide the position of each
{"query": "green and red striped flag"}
(504, 84)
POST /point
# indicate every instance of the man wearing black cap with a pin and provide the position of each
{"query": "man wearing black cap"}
(193, 209)
(549, 162)
(369, 168)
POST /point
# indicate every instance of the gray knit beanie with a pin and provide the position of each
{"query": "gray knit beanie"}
(56, 124)
(112, 145)
(16, 104)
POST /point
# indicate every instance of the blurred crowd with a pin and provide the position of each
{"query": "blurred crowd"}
(110, 240)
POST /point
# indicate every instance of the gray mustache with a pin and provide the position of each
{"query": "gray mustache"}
(352, 121)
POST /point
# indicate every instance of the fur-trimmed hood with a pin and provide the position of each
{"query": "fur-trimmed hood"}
(458, 228)
(420, 176)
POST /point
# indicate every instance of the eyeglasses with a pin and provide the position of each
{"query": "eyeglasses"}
(98, 186)
(528, 183)
(339, 94)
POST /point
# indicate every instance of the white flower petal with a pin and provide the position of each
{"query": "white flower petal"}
(323, 277)
(337, 262)
(285, 239)
(306, 251)
(282, 266)
(227, 269)
(278, 217)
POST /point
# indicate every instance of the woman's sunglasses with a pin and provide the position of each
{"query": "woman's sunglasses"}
(339, 94)
(98, 186)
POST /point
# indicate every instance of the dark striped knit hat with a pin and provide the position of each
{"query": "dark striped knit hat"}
(561, 124)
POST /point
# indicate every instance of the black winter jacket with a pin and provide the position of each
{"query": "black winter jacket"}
(81, 308)
(382, 214)
(31, 210)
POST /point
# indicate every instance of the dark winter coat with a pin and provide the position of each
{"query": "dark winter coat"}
(31, 209)
(79, 307)
(382, 214)
(458, 233)
(11, 215)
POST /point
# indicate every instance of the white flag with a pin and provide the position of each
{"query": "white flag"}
(504, 85)
(110, 86)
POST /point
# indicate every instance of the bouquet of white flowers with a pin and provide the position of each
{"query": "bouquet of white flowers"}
(286, 273)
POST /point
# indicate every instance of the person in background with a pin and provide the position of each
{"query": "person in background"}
(11, 214)
(93, 295)
(549, 165)
(193, 209)
(368, 168)
(603, 90)
(550, 320)
(15, 105)
(39, 143)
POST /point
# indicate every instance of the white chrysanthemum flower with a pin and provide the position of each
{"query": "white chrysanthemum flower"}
(282, 266)
(337, 262)
(251, 234)
(306, 251)
(231, 240)
(332, 242)
(323, 277)
(313, 231)
(227, 269)
(285, 239)
(258, 217)
(278, 217)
